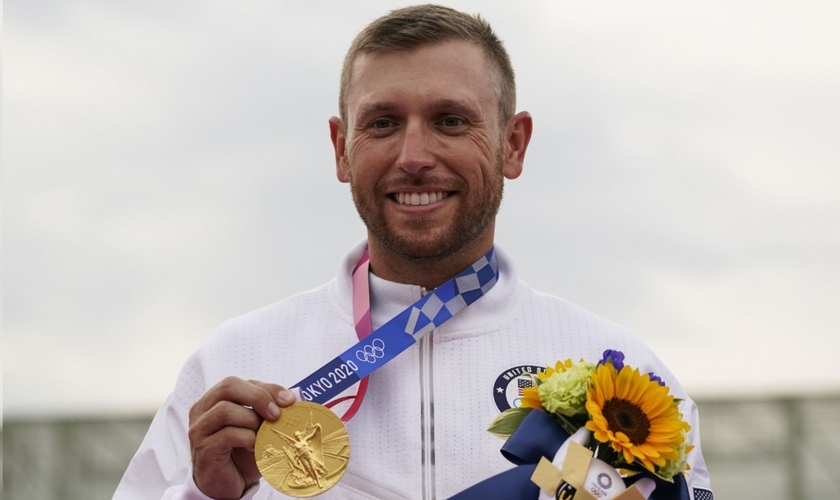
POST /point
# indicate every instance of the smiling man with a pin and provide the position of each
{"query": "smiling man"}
(425, 147)
(426, 138)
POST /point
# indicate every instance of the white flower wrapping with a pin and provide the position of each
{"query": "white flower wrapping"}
(602, 481)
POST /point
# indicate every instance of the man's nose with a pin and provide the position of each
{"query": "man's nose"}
(415, 154)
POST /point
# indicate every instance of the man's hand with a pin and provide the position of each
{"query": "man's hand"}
(223, 429)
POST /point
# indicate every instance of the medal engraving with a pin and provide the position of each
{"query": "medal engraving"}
(303, 453)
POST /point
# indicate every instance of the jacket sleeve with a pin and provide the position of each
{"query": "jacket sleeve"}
(697, 477)
(162, 468)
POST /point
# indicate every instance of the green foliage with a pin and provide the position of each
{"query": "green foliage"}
(508, 421)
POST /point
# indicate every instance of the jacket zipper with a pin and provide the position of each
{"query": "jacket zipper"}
(427, 414)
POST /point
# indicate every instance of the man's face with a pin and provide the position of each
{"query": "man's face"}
(424, 151)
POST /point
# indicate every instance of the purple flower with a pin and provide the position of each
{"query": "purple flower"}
(655, 378)
(615, 357)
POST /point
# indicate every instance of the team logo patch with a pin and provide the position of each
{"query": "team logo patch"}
(509, 386)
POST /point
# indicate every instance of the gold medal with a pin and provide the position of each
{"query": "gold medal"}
(304, 452)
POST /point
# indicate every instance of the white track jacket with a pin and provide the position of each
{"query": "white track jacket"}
(421, 432)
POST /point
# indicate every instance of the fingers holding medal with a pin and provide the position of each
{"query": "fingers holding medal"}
(223, 425)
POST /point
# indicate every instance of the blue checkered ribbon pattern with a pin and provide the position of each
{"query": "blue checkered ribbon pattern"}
(401, 331)
(701, 494)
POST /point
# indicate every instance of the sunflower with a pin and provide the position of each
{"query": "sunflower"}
(635, 415)
(530, 396)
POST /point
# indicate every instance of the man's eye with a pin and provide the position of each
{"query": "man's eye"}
(452, 121)
(380, 124)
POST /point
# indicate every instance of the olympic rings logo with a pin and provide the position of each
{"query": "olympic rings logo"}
(291, 423)
(370, 353)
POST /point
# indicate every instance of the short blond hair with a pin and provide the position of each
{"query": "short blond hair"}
(409, 28)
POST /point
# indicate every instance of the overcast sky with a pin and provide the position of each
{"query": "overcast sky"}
(167, 166)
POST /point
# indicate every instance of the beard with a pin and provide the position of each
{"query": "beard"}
(428, 238)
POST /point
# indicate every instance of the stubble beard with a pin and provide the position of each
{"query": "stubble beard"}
(476, 212)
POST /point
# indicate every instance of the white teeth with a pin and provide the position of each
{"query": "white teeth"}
(419, 198)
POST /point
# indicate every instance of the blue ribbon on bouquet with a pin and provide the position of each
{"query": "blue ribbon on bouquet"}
(540, 436)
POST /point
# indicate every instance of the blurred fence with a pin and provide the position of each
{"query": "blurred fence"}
(774, 449)
(777, 449)
(80, 459)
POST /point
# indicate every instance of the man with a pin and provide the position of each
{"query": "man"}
(426, 137)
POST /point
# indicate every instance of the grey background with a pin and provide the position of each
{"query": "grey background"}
(167, 166)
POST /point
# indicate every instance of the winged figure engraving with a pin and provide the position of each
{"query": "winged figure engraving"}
(305, 454)
(305, 460)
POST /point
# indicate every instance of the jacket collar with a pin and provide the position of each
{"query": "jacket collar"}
(389, 299)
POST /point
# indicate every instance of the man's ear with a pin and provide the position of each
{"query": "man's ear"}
(338, 140)
(517, 137)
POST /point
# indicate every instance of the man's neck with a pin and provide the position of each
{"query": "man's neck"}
(428, 274)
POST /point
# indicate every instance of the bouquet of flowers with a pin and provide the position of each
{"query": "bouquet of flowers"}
(635, 422)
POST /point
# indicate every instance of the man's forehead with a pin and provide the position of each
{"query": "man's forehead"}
(465, 106)
(426, 58)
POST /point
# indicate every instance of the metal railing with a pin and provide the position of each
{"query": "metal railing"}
(68, 459)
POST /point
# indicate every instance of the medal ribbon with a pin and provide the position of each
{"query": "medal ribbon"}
(376, 348)
(364, 327)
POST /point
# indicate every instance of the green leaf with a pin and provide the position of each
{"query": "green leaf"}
(635, 466)
(666, 479)
(508, 421)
